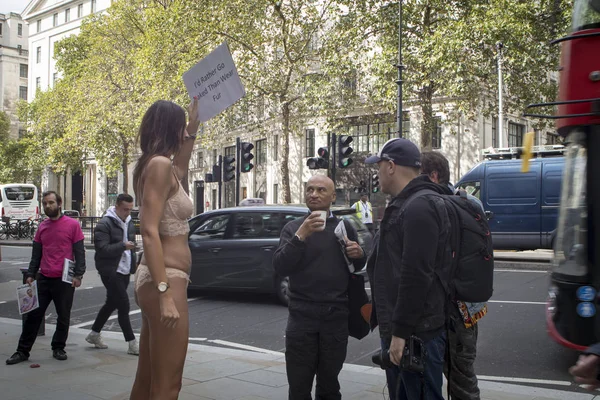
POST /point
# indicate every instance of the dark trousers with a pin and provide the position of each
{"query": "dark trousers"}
(406, 385)
(116, 299)
(59, 292)
(315, 344)
(462, 346)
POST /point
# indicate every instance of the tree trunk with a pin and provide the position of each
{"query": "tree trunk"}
(285, 154)
(125, 167)
(428, 122)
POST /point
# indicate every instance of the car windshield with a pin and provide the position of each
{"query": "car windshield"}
(586, 15)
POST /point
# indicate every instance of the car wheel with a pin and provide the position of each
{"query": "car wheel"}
(282, 286)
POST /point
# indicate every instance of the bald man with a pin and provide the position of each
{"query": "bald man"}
(317, 330)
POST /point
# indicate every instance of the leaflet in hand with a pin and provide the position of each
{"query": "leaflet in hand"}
(27, 298)
(342, 234)
(68, 271)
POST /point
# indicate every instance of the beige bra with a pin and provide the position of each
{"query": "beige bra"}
(178, 209)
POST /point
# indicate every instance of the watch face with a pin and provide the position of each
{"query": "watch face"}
(162, 287)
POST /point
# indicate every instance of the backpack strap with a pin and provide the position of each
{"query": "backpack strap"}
(413, 196)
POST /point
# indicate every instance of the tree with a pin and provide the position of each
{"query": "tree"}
(449, 53)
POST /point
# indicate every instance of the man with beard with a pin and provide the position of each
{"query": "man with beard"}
(316, 337)
(57, 238)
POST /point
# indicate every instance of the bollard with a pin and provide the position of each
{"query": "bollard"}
(42, 330)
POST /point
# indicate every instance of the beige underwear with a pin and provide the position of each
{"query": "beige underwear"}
(142, 275)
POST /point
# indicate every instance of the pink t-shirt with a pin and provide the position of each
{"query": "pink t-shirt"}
(57, 239)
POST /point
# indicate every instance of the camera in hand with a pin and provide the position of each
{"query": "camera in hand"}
(413, 358)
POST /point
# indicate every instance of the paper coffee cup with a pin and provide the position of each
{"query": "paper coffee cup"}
(323, 216)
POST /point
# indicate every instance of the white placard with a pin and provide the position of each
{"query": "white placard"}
(215, 81)
(68, 271)
(27, 298)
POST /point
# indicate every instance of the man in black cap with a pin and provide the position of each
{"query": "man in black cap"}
(408, 270)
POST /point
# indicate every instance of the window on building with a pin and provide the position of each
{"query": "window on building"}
(22, 132)
(39, 25)
(405, 124)
(200, 159)
(38, 55)
(275, 193)
(93, 6)
(275, 147)
(54, 78)
(515, 134)
(67, 15)
(1, 26)
(229, 151)
(20, 29)
(215, 156)
(310, 143)
(436, 135)
(369, 138)
(38, 83)
(494, 132)
(80, 11)
(23, 92)
(552, 138)
(261, 152)
(55, 19)
(214, 199)
(23, 70)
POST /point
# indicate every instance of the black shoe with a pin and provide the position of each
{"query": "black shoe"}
(17, 358)
(59, 354)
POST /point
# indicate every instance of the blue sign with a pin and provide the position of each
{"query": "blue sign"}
(586, 310)
(586, 293)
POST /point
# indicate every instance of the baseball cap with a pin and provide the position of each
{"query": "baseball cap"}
(400, 151)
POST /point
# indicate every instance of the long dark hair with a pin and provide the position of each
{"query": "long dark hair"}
(160, 134)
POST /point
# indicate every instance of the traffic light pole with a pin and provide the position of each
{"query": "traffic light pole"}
(220, 163)
(238, 163)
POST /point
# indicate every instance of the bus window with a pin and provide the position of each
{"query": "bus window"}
(19, 193)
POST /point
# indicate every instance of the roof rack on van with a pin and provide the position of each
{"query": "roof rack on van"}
(507, 153)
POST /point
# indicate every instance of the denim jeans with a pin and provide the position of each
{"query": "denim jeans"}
(406, 385)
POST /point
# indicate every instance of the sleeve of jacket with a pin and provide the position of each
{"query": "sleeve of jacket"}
(359, 263)
(102, 241)
(79, 253)
(593, 349)
(417, 269)
(131, 237)
(36, 259)
(288, 255)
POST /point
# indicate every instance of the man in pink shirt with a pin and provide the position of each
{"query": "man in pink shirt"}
(57, 238)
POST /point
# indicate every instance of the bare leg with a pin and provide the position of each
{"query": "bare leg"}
(167, 346)
(141, 385)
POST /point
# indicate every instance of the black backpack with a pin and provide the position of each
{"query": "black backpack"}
(470, 244)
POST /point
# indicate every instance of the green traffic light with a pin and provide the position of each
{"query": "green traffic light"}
(375, 190)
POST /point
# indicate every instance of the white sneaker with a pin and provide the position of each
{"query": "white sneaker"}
(95, 339)
(134, 348)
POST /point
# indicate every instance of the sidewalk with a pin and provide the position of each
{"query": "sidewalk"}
(210, 373)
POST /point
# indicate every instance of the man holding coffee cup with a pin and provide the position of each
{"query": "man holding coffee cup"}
(317, 329)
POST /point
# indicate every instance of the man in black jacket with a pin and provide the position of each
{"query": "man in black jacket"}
(317, 330)
(409, 269)
(58, 238)
(114, 242)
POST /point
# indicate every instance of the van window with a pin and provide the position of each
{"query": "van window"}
(472, 188)
(513, 189)
(256, 225)
(551, 187)
(212, 228)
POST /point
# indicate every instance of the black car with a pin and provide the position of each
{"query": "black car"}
(232, 248)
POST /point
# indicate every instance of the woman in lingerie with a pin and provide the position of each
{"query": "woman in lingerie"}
(161, 279)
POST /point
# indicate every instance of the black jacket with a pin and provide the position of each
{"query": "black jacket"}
(109, 245)
(316, 267)
(407, 270)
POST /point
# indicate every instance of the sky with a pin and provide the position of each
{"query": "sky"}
(7, 6)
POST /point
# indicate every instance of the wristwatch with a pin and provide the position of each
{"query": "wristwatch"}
(162, 287)
(190, 136)
(298, 237)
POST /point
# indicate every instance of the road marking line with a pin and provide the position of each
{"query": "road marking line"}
(89, 287)
(198, 339)
(2, 302)
(134, 312)
(244, 347)
(541, 303)
(523, 380)
(532, 271)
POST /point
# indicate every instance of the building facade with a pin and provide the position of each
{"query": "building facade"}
(13, 68)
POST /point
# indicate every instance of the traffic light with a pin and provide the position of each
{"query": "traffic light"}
(375, 183)
(321, 161)
(246, 156)
(344, 150)
(228, 168)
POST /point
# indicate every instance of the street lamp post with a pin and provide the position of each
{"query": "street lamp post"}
(499, 47)
(400, 68)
